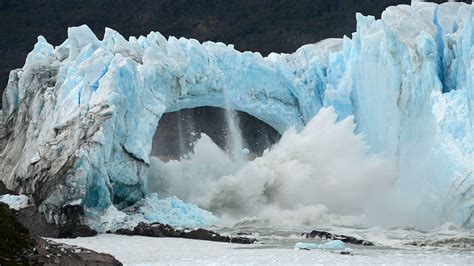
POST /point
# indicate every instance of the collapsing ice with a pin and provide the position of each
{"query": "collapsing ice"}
(78, 119)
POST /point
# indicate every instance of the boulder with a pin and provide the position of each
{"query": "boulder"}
(17, 246)
(164, 230)
(4, 190)
(343, 238)
(35, 221)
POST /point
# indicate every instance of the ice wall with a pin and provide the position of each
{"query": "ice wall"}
(396, 70)
(78, 119)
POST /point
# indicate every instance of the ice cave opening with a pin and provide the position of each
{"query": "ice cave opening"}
(178, 131)
(194, 147)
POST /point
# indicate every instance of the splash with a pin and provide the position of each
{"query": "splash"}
(323, 174)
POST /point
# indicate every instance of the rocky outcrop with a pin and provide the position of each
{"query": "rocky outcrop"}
(164, 230)
(15, 241)
(4, 190)
(329, 236)
(17, 246)
(463, 242)
(37, 224)
(51, 253)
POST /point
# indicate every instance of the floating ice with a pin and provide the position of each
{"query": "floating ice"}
(331, 245)
(15, 202)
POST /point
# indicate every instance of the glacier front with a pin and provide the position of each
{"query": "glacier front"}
(78, 119)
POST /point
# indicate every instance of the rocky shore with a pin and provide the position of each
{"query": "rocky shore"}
(22, 234)
(18, 246)
(329, 236)
(164, 230)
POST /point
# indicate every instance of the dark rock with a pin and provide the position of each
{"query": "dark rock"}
(343, 238)
(17, 246)
(37, 224)
(52, 253)
(244, 234)
(72, 227)
(463, 242)
(4, 190)
(164, 230)
(15, 240)
(76, 231)
(153, 230)
(211, 121)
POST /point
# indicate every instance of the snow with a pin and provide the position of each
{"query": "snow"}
(133, 250)
(15, 202)
(94, 105)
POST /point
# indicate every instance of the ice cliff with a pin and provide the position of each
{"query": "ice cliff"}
(78, 119)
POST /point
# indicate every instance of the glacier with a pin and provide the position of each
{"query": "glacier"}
(78, 119)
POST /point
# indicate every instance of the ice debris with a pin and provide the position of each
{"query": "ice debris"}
(15, 202)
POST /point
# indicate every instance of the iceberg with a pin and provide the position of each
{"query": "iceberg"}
(78, 119)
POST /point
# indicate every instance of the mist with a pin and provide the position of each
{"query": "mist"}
(323, 174)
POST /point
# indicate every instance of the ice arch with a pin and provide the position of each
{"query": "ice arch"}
(83, 114)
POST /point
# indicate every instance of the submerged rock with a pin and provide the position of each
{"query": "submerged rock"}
(343, 238)
(463, 242)
(164, 230)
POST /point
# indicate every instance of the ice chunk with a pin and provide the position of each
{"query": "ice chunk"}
(15, 202)
(171, 210)
(331, 245)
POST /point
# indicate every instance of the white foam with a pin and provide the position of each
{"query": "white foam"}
(321, 175)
